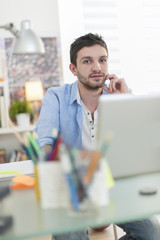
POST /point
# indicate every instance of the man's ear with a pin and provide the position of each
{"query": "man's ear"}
(73, 69)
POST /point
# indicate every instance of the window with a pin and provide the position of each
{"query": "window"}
(131, 30)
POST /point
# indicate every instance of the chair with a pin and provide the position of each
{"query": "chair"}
(101, 228)
(115, 232)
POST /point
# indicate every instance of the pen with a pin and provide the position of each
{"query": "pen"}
(34, 134)
(54, 137)
(56, 148)
(80, 186)
(66, 165)
(33, 143)
(30, 150)
(92, 167)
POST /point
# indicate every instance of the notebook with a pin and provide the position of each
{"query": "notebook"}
(134, 122)
(9, 170)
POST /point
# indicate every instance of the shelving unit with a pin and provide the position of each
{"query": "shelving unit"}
(5, 131)
(4, 75)
(5, 87)
(8, 141)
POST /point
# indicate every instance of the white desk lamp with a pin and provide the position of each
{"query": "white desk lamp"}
(25, 41)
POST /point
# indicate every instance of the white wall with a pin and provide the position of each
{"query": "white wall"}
(42, 13)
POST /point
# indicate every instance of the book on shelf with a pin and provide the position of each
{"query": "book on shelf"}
(2, 155)
(17, 156)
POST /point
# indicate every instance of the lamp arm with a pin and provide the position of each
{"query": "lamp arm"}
(10, 27)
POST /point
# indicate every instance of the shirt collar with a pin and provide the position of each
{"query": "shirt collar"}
(78, 97)
(74, 90)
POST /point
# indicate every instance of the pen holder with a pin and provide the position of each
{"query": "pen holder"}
(53, 187)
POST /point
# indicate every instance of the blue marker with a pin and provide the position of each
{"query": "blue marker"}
(67, 168)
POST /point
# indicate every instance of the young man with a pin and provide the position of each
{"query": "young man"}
(73, 109)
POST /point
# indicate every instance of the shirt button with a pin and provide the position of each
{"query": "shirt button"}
(90, 121)
(92, 128)
(92, 136)
(88, 113)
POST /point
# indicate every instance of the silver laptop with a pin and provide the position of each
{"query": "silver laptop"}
(134, 122)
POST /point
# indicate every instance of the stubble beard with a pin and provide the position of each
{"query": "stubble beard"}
(91, 84)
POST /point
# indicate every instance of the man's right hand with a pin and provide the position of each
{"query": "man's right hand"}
(117, 85)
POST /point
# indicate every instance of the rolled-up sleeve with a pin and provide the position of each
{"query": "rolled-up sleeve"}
(48, 118)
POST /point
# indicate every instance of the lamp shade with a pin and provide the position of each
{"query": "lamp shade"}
(34, 91)
(26, 41)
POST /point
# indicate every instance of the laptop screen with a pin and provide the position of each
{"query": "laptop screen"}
(134, 122)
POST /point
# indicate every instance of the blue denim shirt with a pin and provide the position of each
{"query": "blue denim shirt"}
(61, 110)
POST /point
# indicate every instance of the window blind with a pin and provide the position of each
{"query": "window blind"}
(131, 30)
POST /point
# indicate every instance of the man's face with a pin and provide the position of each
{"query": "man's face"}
(92, 66)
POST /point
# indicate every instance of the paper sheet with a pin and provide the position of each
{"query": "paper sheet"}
(9, 170)
(22, 181)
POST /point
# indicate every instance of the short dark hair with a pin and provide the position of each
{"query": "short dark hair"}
(87, 40)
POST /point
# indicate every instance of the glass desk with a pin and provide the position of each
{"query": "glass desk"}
(126, 204)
